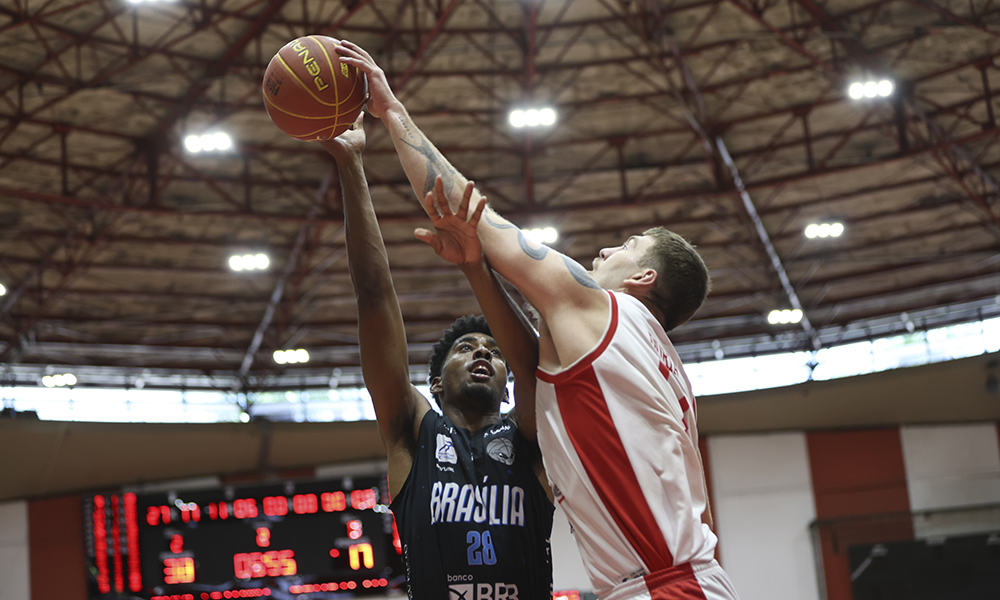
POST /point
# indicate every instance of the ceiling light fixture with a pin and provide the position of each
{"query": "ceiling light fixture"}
(870, 89)
(249, 262)
(532, 117)
(208, 142)
(3, 290)
(782, 317)
(823, 230)
(291, 357)
(64, 380)
(543, 235)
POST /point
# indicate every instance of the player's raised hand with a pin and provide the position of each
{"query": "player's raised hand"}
(350, 142)
(455, 238)
(381, 96)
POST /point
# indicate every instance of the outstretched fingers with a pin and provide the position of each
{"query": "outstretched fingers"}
(478, 213)
(463, 206)
(430, 206)
(442, 200)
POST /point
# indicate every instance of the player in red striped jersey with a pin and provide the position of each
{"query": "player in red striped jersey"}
(617, 422)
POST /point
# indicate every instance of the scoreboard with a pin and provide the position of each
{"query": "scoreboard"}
(315, 539)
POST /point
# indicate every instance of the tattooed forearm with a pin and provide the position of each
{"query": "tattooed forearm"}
(579, 273)
(535, 253)
(436, 163)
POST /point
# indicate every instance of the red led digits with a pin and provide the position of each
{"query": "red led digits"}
(275, 506)
(190, 512)
(361, 553)
(132, 542)
(178, 570)
(333, 501)
(116, 545)
(101, 546)
(264, 564)
(245, 508)
(304, 504)
(263, 537)
(354, 529)
(176, 544)
(363, 499)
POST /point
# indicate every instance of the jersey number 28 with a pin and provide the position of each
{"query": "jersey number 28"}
(484, 556)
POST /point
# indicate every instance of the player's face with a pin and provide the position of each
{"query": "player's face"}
(475, 372)
(615, 265)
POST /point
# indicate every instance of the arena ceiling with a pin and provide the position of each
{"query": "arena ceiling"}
(728, 121)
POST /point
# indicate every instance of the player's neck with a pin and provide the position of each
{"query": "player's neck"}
(470, 418)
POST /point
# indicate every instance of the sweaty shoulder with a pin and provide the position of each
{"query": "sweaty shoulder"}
(574, 330)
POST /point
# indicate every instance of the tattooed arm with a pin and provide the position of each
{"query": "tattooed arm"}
(574, 307)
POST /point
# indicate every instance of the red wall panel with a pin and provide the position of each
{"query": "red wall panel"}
(55, 549)
(859, 484)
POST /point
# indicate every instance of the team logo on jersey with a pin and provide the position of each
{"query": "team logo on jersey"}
(445, 451)
(501, 450)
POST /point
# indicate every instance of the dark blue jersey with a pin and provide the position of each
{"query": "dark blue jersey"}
(472, 516)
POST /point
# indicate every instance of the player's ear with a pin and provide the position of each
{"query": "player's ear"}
(641, 281)
(436, 387)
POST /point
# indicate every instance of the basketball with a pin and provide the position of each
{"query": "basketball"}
(309, 93)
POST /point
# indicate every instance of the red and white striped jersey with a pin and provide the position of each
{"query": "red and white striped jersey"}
(619, 439)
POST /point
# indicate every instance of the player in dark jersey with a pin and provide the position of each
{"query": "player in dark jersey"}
(472, 508)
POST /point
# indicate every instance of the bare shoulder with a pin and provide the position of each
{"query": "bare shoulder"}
(573, 329)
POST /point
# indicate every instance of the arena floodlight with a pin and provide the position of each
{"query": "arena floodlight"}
(542, 235)
(784, 316)
(824, 230)
(3, 290)
(871, 89)
(291, 357)
(249, 262)
(532, 117)
(63, 380)
(217, 142)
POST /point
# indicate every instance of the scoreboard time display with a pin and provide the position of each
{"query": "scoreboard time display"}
(323, 539)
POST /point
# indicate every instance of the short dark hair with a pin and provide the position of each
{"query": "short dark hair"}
(461, 326)
(682, 281)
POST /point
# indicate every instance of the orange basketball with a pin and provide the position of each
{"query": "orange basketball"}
(309, 93)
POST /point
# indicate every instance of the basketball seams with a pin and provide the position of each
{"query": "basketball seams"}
(333, 78)
(290, 121)
(299, 81)
(307, 117)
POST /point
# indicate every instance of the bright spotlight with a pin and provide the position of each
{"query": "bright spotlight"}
(208, 142)
(260, 261)
(783, 317)
(47, 381)
(824, 230)
(546, 235)
(279, 357)
(301, 356)
(871, 89)
(223, 141)
(236, 263)
(532, 117)
(3, 290)
(244, 417)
